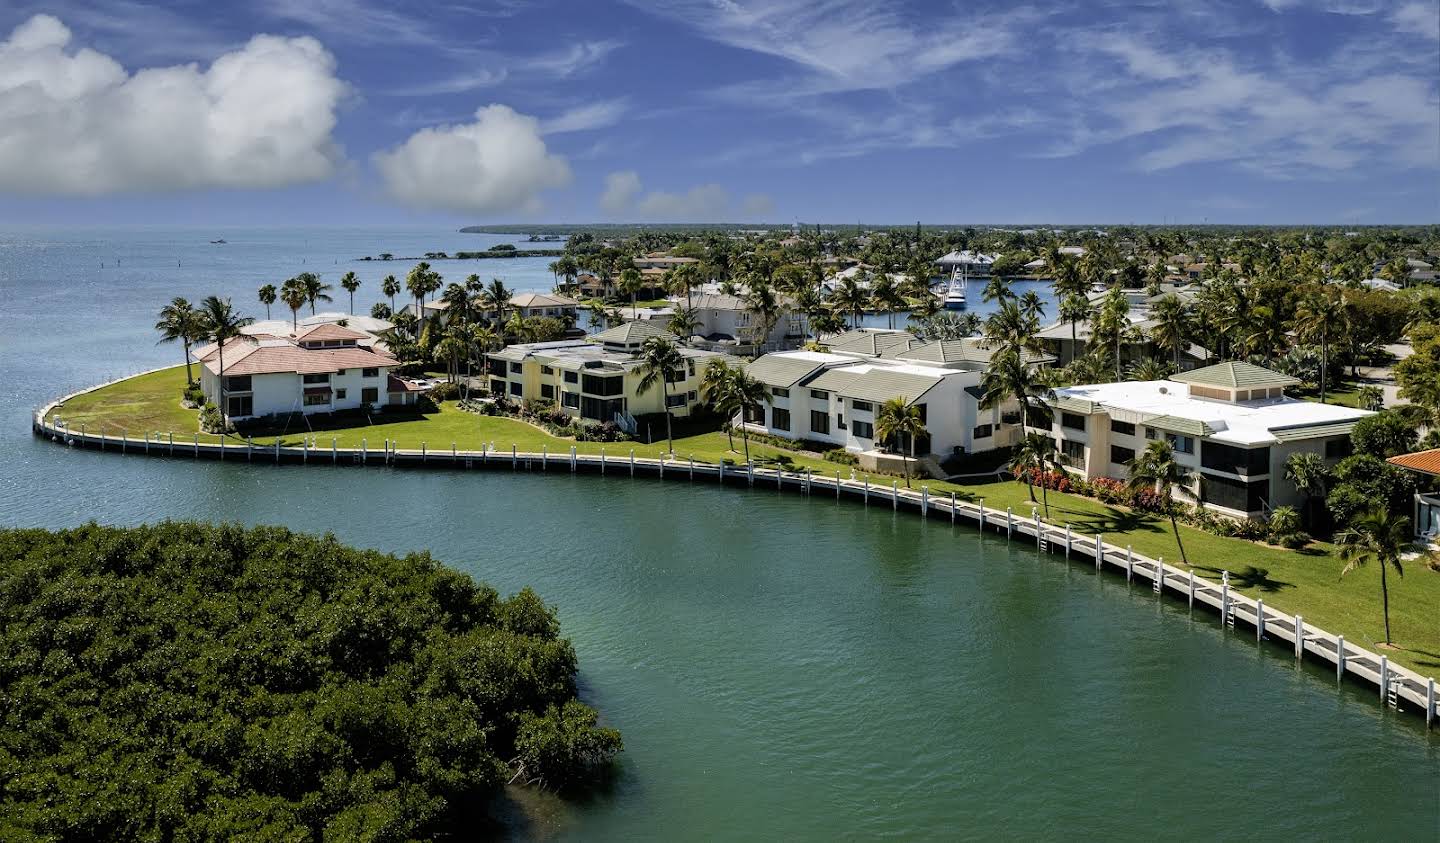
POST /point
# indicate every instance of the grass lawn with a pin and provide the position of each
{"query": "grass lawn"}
(1346, 394)
(1307, 582)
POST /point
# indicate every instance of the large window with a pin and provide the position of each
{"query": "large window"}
(779, 418)
(1339, 448)
(240, 405)
(779, 392)
(675, 400)
(983, 431)
(754, 413)
(1121, 456)
(572, 377)
(370, 373)
(570, 399)
(863, 406)
(317, 399)
(1074, 421)
(1181, 444)
(324, 377)
(1123, 427)
(547, 391)
(1234, 494)
(819, 421)
(497, 387)
(547, 370)
(863, 430)
(1072, 452)
(369, 394)
(497, 367)
(517, 389)
(820, 395)
(237, 383)
(516, 368)
(339, 395)
(597, 385)
(1233, 460)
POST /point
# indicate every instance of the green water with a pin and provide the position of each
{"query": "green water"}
(784, 667)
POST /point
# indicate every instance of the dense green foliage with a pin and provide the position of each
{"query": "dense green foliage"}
(187, 681)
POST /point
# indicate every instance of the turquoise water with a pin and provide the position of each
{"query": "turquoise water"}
(781, 667)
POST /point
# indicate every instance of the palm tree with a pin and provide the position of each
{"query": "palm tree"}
(390, 287)
(760, 302)
(1008, 377)
(898, 420)
(315, 289)
(454, 345)
(714, 382)
(292, 292)
(1074, 309)
(852, 298)
(267, 298)
(1112, 325)
(1315, 318)
(1371, 398)
(659, 359)
(631, 283)
(1155, 468)
(1035, 453)
(496, 297)
(350, 282)
(1376, 535)
(997, 289)
(457, 304)
(732, 391)
(222, 323)
(1307, 470)
(1150, 369)
(1172, 325)
(684, 323)
(180, 321)
(885, 297)
(1032, 307)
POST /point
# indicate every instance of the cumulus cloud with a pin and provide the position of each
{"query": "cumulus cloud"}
(757, 204)
(74, 121)
(496, 164)
(620, 191)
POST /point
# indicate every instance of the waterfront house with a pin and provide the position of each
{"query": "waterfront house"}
(725, 323)
(831, 397)
(319, 369)
(1426, 515)
(598, 378)
(528, 305)
(1230, 424)
(966, 264)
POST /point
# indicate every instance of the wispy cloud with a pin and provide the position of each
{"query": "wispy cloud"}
(488, 69)
(584, 118)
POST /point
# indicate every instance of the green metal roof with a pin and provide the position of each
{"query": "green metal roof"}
(872, 343)
(1176, 424)
(780, 370)
(834, 380)
(1234, 375)
(1314, 431)
(1075, 405)
(631, 333)
(879, 386)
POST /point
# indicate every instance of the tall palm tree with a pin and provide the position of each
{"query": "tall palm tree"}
(179, 321)
(1173, 325)
(1074, 309)
(1155, 468)
(1035, 453)
(659, 359)
(761, 302)
(417, 284)
(898, 420)
(1032, 307)
(631, 283)
(1317, 317)
(222, 323)
(1150, 369)
(1008, 377)
(734, 391)
(457, 304)
(852, 298)
(885, 297)
(997, 289)
(495, 298)
(684, 323)
(267, 298)
(1379, 536)
(350, 282)
(391, 288)
(1112, 326)
(315, 289)
(714, 383)
(293, 293)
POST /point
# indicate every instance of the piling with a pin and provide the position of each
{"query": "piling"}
(1299, 637)
(1339, 657)
(1259, 619)
(895, 494)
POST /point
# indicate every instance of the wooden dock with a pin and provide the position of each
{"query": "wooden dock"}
(1398, 687)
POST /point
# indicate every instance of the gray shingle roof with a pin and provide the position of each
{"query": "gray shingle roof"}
(879, 385)
(834, 380)
(1314, 431)
(631, 332)
(777, 370)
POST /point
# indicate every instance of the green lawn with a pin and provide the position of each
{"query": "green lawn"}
(1307, 582)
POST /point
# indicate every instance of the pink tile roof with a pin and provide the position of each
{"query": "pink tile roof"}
(329, 331)
(247, 356)
(1425, 462)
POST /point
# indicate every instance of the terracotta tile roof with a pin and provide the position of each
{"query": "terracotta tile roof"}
(399, 384)
(329, 331)
(1425, 462)
(247, 356)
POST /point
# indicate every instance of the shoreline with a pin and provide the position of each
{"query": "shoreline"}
(1399, 687)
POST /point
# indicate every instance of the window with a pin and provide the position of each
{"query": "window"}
(497, 367)
(863, 430)
(497, 387)
(691, 395)
(570, 399)
(819, 421)
(547, 391)
(1150, 433)
(1120, 455)
(339, 372)
(820, 394)
(517, 389)
(1074, 421)
(240, 405)
(754, 414)
(1072, 452)
(924, 416)
(339, 395)
(840, 420)
(675, 400)
(1181, 444)
(516, 368)
(317, 400)
(237, 383)
(1338, 448)
(690, 367)
(572, 377)
(1234, 494)
(779, 392)
(675, 376)
(547, 370)
(863, 406)
(597, 385)
(779, 418)
(1233, 460)
(1126, 428)
(321, 378)
(370, 373)
(369, 394)
(984, 431)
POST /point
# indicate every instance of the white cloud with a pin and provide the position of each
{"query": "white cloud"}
(702, 203)
(497, 164)
(757, 205)
(596, 115)
(572, 60)
(75, 122)
(621, 188)
(1418, 18)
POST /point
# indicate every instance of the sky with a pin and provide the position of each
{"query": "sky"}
(462, 112)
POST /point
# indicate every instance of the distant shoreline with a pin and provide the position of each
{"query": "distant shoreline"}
(471, 256)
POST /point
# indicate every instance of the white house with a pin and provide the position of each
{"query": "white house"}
(967, 263)
(320, 369)
(726, 324)
(1230, 424)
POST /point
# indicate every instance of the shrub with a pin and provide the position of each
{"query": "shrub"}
(841, 456)
(1283, 528)
(212, 422)
(599, 432)
(194, 396)
(444, 392)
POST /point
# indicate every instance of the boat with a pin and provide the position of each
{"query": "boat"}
(954, 296)
(217, 242)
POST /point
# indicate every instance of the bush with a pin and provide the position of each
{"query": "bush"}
(194, 396)
(281, 687)
(590, 431)
(444, 392)
(212, 422)
(842, 456)
(1283, 528)
(1384, 435)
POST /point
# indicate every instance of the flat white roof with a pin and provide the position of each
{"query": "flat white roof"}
(1248, 423)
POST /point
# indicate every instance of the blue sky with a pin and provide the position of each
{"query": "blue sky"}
(362, 111)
